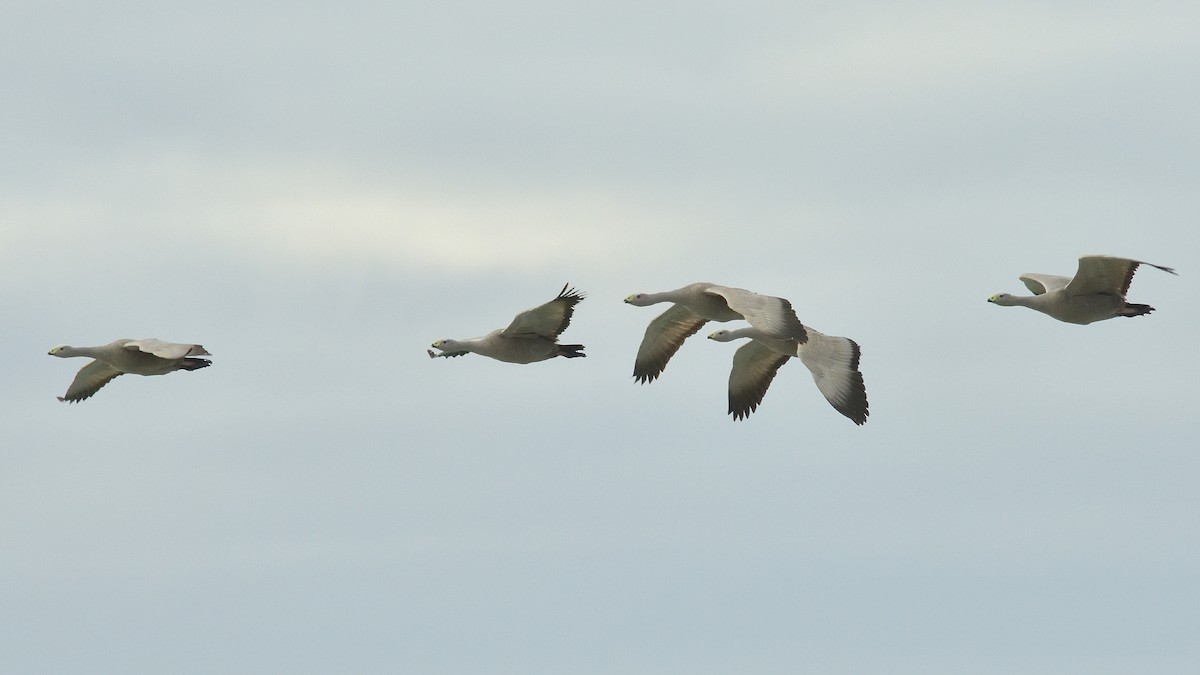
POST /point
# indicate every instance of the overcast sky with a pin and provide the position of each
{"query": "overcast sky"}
(317, 191)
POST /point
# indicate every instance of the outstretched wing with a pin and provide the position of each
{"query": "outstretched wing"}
(663, 337)
(166, 350)
(773, 316)
(754, 367)
(833, 362)
(88, 381)
(1106, 274)
(547, 320)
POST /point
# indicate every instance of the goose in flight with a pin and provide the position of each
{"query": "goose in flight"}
(139, 357)
(1095, 293)
(696, 304)
(532, 335)
(832, 360)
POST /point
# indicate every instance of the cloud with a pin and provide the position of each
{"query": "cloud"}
(300, 214)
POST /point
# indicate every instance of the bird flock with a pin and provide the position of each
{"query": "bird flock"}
(776, 335)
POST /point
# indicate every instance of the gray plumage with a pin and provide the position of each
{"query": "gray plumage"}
(697, 304)
(137, 357)
(532, 336)
(1095, 293)
(832, 361)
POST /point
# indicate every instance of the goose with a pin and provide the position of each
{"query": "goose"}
(832, 360)
(697, 304)
(532, 336)
(138, 357)
(1097, 291)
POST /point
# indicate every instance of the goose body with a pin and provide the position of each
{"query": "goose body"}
(1095, 293)
(832, 361)
(698, 303)
(137, 357)
(532, 336)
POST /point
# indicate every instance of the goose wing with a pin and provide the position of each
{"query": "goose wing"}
(773, 316)
(663, 337)
(833, 362)
(1044, 283)
(89, 380)
(546, 320)
(165, 350)
(1106, 275)
(754, 367)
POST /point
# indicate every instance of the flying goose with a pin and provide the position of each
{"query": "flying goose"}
(532, 335)
(697, 304)
(1097, 292)
(139, 357)
(832, 360)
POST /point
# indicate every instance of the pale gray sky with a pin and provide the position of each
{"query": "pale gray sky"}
(317, 191)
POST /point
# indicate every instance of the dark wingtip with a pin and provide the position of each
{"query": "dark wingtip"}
(795, 327)
(645, 378)
(739, 415)
(569, 293)
(571, 351)
(1133, 309)
(744, 412)
(856, 408)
